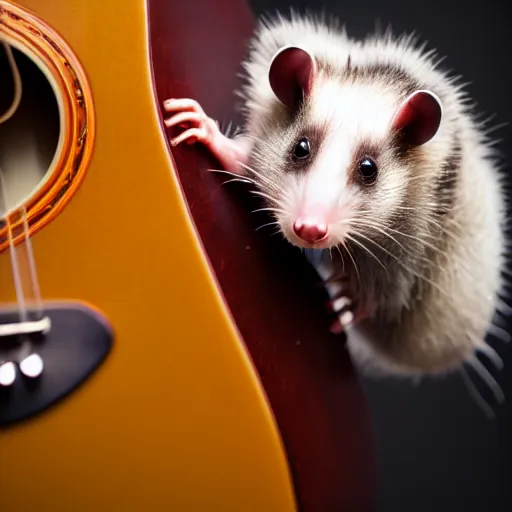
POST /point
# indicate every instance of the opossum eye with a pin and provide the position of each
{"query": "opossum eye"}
(367, 170)
(302, 149)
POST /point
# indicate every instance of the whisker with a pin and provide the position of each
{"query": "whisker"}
(351, 238)
(265, 196)
(428, 207)
(382, 230)
(266, 225)
(401, 233)
(342, 260)
(364, 222)
(263, 178)
(428, 220)
(417, 239)
(405, 267)
(347, 248)
(221, 171)
(276, 232)
(270, 209)
(239, 180)
(273, 185)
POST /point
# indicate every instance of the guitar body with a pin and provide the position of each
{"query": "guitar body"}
(217, 386)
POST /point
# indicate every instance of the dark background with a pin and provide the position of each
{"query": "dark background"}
(437, 450)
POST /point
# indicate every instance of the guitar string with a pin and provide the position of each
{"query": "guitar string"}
(18, 287)
(7, 115)
(20, 298)
(18, 88)
(34, 281)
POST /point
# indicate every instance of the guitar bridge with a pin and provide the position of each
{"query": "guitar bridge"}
(29, 327)
(70, 342)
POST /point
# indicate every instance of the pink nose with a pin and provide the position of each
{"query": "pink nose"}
(310, 232)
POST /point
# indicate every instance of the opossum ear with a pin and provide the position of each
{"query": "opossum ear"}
(418, 117)
(291, 75)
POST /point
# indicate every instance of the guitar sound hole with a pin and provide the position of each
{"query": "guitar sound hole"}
(30, 138)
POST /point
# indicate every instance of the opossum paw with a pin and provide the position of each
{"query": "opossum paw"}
(342, 323)
(339, 304)
(188, 114)
(198, 127)
(342, 308)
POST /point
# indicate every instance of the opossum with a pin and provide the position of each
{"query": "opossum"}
(369, 153)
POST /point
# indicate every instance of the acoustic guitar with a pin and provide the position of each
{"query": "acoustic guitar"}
(157, 351)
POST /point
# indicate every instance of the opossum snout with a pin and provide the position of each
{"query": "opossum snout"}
(310, 230)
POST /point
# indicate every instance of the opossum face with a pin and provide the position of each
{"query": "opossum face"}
(338, 169)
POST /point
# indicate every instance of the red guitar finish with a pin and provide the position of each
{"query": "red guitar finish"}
(196, 48)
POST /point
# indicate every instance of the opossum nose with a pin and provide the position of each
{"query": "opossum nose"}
(310, 231)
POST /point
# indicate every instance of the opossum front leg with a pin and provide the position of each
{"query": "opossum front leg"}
(348, 309)
(338, 284)
(342, 305)
(232, 154)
